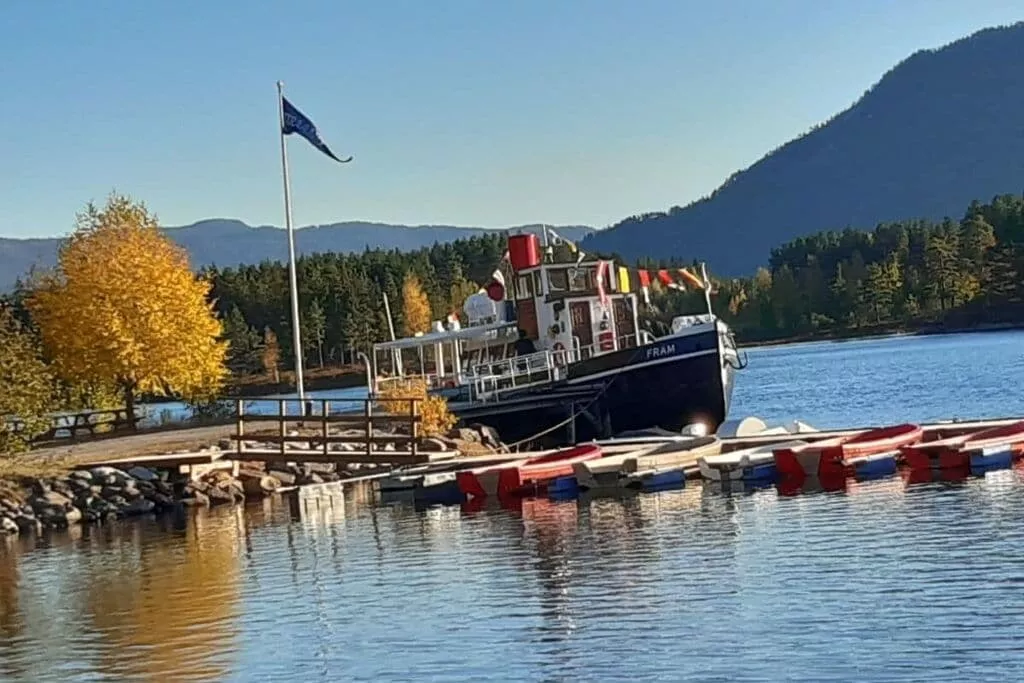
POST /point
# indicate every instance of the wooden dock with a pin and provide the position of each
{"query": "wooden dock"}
(310, 431)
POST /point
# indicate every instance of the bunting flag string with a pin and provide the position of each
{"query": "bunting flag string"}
(678, 278)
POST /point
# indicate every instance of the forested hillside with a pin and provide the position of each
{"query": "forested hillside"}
(940, 129)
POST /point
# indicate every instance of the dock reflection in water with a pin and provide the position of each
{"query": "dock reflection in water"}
(913, 581)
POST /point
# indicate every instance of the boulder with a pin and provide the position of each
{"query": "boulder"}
(286, 478)
(7, 526)
(49, 499)
(109, 475)
(196, 499)
(465, 434)
(72, 515)
(488, 435)
(28, 524)
(139, 506)
(433, 445)
(81, 475)
(220, 496)
(143, 474)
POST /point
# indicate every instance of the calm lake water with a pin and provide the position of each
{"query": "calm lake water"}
(884, 582)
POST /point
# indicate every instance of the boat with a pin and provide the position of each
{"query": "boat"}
(876, 466)
(560, 353)
(610, 471)
(481, 482)
(659, 478)
(533, 475)
(954, 453)
(749, 464)
(830, 459)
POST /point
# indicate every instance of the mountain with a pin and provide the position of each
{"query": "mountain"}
(226, 242)
(942, 128)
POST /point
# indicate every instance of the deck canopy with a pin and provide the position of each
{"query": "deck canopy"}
(490, 331)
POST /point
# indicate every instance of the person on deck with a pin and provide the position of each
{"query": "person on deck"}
(524, 345)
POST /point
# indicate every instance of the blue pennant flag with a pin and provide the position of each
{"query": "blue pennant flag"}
(297, 122)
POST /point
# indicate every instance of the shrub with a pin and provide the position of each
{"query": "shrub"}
(433, 410)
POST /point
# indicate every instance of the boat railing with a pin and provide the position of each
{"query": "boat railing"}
(489, 380)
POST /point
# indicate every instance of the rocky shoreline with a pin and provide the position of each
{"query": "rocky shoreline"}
(94, 495)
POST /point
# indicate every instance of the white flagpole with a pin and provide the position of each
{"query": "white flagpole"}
(293, 285)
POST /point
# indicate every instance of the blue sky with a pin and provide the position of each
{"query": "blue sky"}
(457, 112)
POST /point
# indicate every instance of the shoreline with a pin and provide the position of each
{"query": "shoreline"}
(350, 377)
(891, 331)
(91, 483)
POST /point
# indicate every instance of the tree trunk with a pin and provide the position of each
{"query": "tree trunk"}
(320, 351)
(129, 403)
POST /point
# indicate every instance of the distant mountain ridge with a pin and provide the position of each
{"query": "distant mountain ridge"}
(942, 128)
(229, 242)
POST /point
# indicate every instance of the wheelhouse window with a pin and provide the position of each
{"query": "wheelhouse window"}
(558, 281)
(581, 280)
(525, 287)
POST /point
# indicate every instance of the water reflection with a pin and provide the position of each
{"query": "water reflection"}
(363, 590)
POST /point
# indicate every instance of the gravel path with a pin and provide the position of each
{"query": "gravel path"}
(144, 443)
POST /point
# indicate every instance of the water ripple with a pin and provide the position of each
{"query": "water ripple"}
(882, 582)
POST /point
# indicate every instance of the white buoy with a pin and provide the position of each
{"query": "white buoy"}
(747, 426)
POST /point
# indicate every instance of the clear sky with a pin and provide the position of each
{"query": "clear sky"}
(465, 112)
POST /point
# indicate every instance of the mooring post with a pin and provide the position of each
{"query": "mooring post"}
(369, 428)
(325, 408)
(414, 431)
(239, 425)
(572, 423)
(282, 408)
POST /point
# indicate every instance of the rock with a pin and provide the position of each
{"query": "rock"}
(110, 491)
(286, 478)
(163, 502)
(219, 496)
(196, 499)
(433, 445)
(258, 484)
(39, 487)
(73, 515)
(464, 434)
(109, 475)
(139, 506)
(81, 475)
(85, 500)
(131, 492)
(8, 525)
(27, 524)
(164, 488)
(488, 435)
(51, 498)
(78, 485)
(143, 474)
(62, 486)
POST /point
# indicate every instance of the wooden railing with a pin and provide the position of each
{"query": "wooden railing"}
(71, 426)
(314, 422)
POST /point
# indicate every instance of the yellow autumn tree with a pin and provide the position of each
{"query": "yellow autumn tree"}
(415, 306)
(435, 418)
(123, 308)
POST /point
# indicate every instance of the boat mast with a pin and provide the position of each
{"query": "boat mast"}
(707, 286)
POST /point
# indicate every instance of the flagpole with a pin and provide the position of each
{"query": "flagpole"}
(293, 284)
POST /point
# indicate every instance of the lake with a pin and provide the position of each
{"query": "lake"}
(884, 582)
